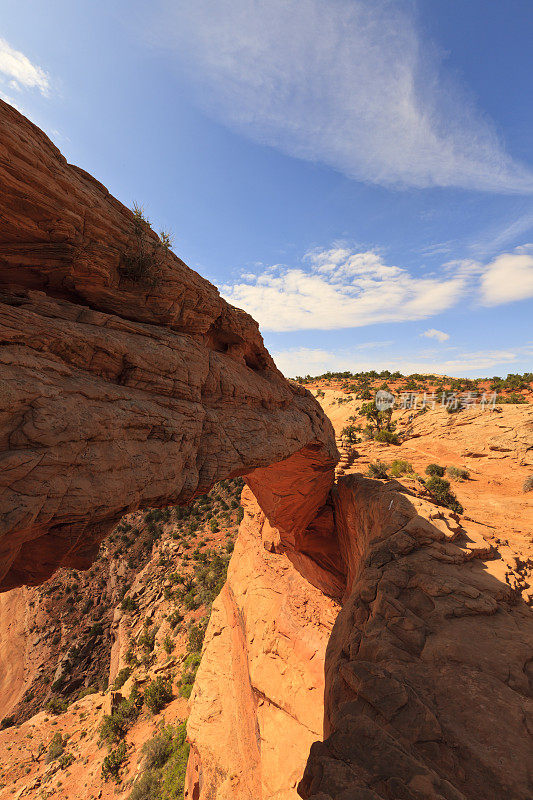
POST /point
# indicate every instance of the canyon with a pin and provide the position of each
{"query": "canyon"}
(368, 643)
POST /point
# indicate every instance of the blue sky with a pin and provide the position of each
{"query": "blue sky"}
(357, 175)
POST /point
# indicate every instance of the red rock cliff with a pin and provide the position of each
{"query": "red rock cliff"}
(127, 381)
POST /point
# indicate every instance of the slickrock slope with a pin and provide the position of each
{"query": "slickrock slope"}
(429, 670)
(127, 381)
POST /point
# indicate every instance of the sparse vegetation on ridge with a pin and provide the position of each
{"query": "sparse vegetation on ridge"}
(164, 765)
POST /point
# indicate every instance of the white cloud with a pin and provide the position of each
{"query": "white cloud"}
(340, 289)
(509, 277)
(310, 361)
(433, 333)
(19, 72)
(349, 83)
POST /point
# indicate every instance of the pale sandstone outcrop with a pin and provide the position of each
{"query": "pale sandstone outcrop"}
(258, 697)
(121, 392)
(429, 669)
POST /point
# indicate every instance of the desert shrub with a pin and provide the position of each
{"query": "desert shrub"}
(175, 618)
(377, 469)
(157, 694)
(458, 473)
(185, 690)
(56, 705)
(436, 470)
(114, 726)
(129, 604)
(455, 409)
(440, 489)
(349, 434)
(65, 760)
(121, 678)
(57, 685)
(147, 786)
(173, 773)
(168, 644)
(158, 750)
(196, 638)
(87, 691)
(188, 675)
(165, 778)
(400, 467)
(113, 762)
(166, 239)
(527, 486)
(56, 748)
(147, 637)
(386, 436)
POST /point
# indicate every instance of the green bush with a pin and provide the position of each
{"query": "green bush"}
(147, 637)
(87, 691)
(185, 690)
(113, 762)
(175, 618)
(56, 705)
(173, 773)
(55, 748)
(121, 678)
(400, 467)
(458, 473)
(386, 436)
(440, 489)
(196, 638)
(435, 469)
(157, 694)
(158, 750)
(377, 469)
(114, 726)
(349, 434)
(129, 604)
(147, 786)
(168, 644)
(164, 776)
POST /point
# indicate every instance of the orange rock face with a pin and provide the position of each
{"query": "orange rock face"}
(127, 381)
(429, 669)
(258, 697)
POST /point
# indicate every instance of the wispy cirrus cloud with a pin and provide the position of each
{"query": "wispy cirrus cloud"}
(19, 73)
(348, 83)
(340, 288)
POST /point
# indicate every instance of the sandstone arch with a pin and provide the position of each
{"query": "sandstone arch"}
(123, 388)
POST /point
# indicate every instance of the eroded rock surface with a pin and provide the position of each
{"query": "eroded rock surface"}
(429, 679)
(127, 381)
(258, 698)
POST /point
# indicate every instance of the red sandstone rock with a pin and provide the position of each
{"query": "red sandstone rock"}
(127, 381)
(257, 700)
(428, 671)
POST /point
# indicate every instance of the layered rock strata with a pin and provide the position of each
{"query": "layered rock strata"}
(127, 381)
(429, 669)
